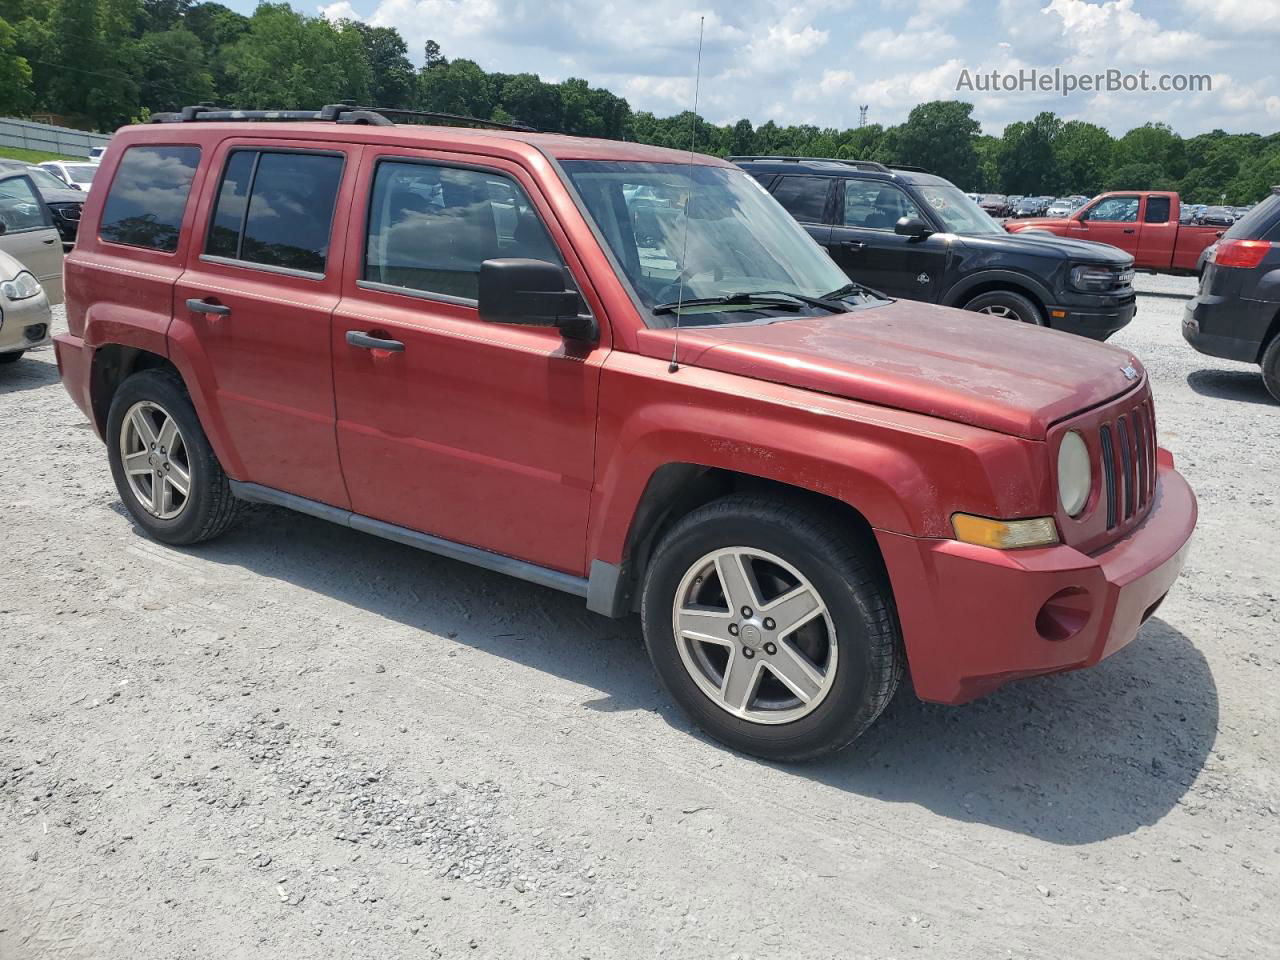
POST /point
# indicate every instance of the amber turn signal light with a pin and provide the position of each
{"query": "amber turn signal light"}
(1004, 534)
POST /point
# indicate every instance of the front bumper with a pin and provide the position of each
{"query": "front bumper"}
(974, 618)
(25, 324)
(1097, 321)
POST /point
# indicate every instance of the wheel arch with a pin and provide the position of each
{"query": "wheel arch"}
(1000, 280)
(113, 364)
(675, 490)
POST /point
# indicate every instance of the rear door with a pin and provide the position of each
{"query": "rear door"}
(863, 242)
(255, 303)
(807, 198)
(29, 235)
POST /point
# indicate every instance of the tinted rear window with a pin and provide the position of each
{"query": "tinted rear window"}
(148, 196)
(276, 209)
(804, 197)
(1255, 224)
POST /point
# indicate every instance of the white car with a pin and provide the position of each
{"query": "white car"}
(96, 154)
(25, 317)
(76, 175)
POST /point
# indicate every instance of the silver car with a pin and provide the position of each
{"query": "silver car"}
(25, 317)
(27, 232)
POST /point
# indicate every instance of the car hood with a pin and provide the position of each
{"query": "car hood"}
(1049, 245)
(942, 362)
(63, 196)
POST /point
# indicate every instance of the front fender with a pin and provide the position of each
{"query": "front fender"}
(904, 472)
(958, 294)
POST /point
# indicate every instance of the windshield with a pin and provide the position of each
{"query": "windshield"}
(44, 180)
(958, 213)
(736, 239)
(81, 172)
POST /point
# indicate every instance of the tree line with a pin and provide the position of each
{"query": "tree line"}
(108, 62)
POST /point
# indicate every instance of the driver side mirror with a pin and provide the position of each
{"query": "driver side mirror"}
(532, 293)
(912, 227)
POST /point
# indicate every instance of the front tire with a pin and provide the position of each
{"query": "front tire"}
(775, 633)
(165, 471)
(1271, 368)
(1007, 305)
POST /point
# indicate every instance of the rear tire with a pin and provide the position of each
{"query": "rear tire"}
(172, 484)
(1271, 367)
(13, 357)
(1007, 305)
(806, 691)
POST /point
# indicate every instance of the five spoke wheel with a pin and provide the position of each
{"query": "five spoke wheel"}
(755, 635)
(155, 460)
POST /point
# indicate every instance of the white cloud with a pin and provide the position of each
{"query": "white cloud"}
(1238, 16)
(920, 45)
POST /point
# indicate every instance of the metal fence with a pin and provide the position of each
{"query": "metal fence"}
(45, 136)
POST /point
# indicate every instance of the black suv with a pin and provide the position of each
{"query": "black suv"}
(909, 234)
(1236, 313)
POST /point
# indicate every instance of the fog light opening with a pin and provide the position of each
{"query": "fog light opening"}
(36, 332)
(1064, 614)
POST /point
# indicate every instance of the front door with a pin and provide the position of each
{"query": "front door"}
(1112, 220)
(29, 235)
(480, 433)
(256, 300)
(864, 245)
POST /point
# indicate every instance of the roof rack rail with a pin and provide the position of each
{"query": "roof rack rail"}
(330, 113)
(856, 164)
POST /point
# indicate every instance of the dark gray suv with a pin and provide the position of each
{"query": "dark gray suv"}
(1236, 313)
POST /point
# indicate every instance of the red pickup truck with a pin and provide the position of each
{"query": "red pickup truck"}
(465, 341)
(1143, 223)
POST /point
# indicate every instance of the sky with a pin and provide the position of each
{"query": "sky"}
(817, 61)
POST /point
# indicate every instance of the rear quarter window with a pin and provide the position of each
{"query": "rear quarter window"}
(1260, 223)
(148, 197)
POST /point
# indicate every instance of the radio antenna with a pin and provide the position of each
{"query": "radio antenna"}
(684, 243)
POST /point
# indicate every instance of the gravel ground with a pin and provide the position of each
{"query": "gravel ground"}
(302, 741)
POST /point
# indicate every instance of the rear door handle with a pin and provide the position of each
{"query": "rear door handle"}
(1128, 230)
(357, 338)
(852, 244)
(203, 306)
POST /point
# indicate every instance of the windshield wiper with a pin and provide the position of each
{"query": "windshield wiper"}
(766, 299)
(851, 288)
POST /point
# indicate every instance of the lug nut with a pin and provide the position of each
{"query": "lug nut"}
(733, 629)
(768, 623)
(746, 613)
(748, 652)
(770, 649)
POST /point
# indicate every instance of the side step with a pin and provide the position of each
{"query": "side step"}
(543, 576)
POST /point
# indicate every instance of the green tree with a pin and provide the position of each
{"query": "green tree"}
(1082, 154)
(291, 62)
(459, 87)
(15, 74)
(173, 74)
(1026, 159)
(392, 80)
(219, 29)
(939, 136)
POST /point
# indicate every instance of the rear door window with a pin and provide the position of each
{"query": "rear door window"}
(148, 197)
(1157, 210)
(805, 198)
(275, 209)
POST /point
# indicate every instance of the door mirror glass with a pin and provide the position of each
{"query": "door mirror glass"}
(912, 227)
(531, 293)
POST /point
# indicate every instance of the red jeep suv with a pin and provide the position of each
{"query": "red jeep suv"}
(625, 373)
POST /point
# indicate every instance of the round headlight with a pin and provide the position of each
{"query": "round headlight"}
(1075, 474)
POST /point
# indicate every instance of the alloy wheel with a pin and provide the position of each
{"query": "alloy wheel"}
(155, 460)
(755, 635)
(1000, 310)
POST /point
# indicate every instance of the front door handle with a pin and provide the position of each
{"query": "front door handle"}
(357, 338)
(49, 241)
(203, 306)
(852, 244)
(1128, 230)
